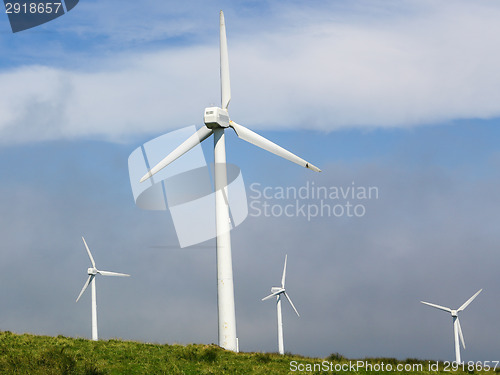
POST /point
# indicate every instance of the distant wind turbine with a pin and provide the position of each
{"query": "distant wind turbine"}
(278, 292)
(216, 121)
(457, 330)
(92, 271)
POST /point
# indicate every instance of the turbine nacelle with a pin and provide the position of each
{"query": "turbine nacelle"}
(92, 271)
(216, 117)
(454, 313)
(276, 289)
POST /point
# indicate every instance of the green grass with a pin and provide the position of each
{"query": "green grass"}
(30, 354)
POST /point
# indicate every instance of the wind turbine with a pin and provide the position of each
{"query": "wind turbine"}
(457, 330)
(278, 292)
(216, 121)
(93, 271)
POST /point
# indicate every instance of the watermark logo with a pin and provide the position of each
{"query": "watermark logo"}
(25, 14)
(185, 187)
(310, 200)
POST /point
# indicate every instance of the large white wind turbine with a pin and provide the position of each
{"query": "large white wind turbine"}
(457, 330)
(216, 121)
(278, 292)
(92, 271)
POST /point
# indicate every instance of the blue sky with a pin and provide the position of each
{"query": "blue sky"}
(398, 95)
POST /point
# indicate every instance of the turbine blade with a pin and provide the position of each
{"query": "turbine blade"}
(284, 274)
(460, 333)
(259, 141)
(469, 301)
(109, 273)
(272, 295)
(89, 280)
(291, 303)
(224, 65)
(88, 252)
(198, 137)
(437, 306)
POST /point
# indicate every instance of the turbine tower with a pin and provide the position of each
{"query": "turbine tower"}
(92, 272)
(457, 330)
(278, 292)
(216, 121)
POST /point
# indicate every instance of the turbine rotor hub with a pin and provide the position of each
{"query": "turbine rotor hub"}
(454, 313)
(92, 271)
(215, 117)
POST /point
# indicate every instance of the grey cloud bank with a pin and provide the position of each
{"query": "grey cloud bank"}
(357, 281)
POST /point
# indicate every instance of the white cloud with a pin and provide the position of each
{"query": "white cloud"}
(370, 65)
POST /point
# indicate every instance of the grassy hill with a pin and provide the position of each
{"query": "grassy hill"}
(29, 354)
